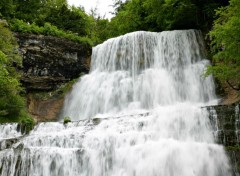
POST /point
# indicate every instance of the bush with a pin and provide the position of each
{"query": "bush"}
(225, 42)
(26, 125)
(66, 120)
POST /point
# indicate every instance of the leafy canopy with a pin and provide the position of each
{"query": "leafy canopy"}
(160, 15)
(12, 105)
(225, 44)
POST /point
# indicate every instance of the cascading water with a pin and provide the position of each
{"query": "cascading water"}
(140, 115)
(142, 70)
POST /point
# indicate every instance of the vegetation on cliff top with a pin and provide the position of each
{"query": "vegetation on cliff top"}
(56, 17)
(48, 30)
(160, 15)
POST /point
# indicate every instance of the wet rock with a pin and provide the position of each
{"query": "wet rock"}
(234, 157)
(225, 120)
(8, 143)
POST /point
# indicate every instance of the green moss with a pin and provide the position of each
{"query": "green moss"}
(66, 120)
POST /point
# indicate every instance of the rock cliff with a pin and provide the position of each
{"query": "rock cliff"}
(48, 64)
(48, 61)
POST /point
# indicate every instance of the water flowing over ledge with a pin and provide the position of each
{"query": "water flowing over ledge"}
(155, 74)
(142, 70)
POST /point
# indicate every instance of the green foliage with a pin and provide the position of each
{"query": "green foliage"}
(225, 44)
(66, 120)
(7, 8)
(7, 43)
(48, 29)
(48, 17)
(70, 19)
(99, 28)
(27, 9)
(131, 15)
(159, 15)
(12, 105)
(171, 14)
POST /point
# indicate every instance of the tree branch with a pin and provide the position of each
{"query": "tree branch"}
(234, 88)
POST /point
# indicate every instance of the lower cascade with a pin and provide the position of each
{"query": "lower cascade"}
(138, 113)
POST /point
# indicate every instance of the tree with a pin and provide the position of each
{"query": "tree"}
(160, 15)
(225, 44)
(12, 105)
(7, 8)
(130, 17)
(171, 14)
(28, 10)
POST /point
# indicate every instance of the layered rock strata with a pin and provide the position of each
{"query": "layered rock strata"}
(49, 63)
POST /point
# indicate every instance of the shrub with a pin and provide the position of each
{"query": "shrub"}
(12, 104)
(66, 120)
(48, 29)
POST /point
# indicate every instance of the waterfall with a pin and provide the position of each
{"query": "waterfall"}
(138, 113)
(142, 70)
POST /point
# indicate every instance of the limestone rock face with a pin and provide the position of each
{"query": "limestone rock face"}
(49, 61)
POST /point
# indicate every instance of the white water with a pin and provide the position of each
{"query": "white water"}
(9, 131)
(142, 70)
(146, 90)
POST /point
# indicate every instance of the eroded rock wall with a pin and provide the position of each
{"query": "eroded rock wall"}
(49, 61)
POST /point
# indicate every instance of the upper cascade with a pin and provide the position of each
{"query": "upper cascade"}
(142, 70)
